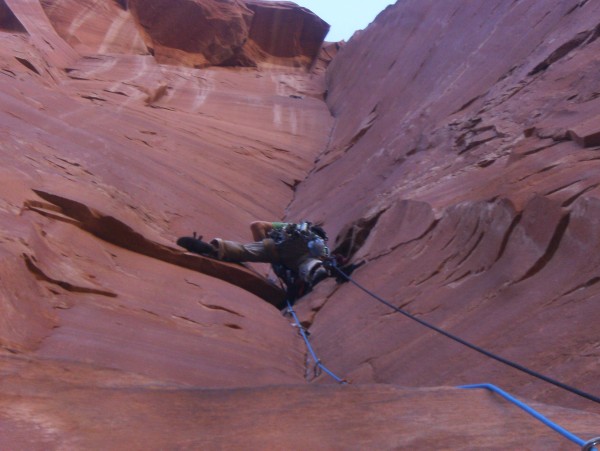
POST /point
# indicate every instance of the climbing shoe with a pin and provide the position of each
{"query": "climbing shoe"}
(196, 245)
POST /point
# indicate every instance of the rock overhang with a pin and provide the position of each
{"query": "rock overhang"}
(237, 33)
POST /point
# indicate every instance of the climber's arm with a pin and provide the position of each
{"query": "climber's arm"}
(260, 229)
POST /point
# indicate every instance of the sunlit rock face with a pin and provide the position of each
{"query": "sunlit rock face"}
(451, 146)
(107, 158)
(96, 27)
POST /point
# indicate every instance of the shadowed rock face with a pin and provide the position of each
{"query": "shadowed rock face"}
(456, 154)
(195, 33)
(229, 33)
(212, 32)
(283, 30)
(464, 151)
(8, 21)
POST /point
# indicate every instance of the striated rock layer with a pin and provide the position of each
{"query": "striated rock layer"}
(461, 166)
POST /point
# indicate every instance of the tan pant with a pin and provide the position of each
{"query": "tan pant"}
(293, 257)
(260, 251)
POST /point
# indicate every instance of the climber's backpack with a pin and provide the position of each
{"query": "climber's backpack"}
(297, 238)
(294, 240)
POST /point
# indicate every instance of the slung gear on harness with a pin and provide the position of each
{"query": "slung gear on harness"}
(304, 233)
(293, 241)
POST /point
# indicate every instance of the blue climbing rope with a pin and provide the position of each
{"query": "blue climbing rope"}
(586, 446)
(318, 363)
(532, 412)
(590, 445)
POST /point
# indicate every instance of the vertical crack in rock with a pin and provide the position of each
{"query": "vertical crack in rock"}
(471, 250)
(307, 371)
(364, 127)
(468, 103)
(595, 35)
(562, 187)
(515, 222)
(428, 232)
(221, 308)
(233, 326)
(27, 64)
(550, 250)
(577, 6)
(353, 236)
(437, 271)
(589, 283)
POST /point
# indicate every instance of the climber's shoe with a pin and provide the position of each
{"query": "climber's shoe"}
(197, 246)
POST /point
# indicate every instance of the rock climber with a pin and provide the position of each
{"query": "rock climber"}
(296, 251)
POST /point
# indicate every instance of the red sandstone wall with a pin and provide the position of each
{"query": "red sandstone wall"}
(461, 166)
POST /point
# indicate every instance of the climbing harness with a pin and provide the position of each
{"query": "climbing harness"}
(304, 333)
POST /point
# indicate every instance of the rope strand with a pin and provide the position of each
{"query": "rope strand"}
(586, 446)
(534, 413)
(470, 345)
(318, 363)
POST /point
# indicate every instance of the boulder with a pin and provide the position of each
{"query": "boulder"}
(229, 33)
(193, 32)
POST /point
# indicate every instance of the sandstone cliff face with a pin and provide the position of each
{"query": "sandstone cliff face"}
(460, 166)
(106, 159)
(463, 163)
